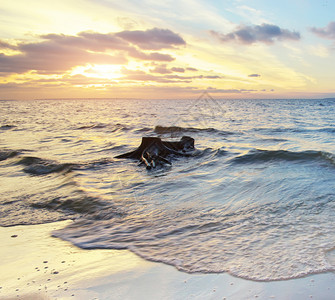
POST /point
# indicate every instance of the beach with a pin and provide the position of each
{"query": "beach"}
(36, 265)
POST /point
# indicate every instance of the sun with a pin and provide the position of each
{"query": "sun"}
(99, 71)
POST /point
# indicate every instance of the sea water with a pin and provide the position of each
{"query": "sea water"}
(256, 199)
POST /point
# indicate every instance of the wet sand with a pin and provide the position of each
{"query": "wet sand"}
(35, 265)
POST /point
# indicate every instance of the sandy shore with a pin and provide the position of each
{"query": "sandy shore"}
(35, 265)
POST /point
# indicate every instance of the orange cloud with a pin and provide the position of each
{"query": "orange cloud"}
(164, 77)
(54, 53)
(152, 39)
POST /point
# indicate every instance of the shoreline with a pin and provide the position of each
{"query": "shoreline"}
(36, 265)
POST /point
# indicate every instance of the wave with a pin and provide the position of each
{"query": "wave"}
(93, 126)
(242, 243)
(330, 130)
(275, 140)
(176, 129)
(7, 127)
(5, 154)
(39, 166)
(92, 164)
(210, 152)
(144, 129)
(51, 199)
(327, 130)
(257, 155)
(279, 130)
(82, 204)
(111, 127)
(58, 200)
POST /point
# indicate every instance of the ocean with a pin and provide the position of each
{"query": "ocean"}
(256, 199)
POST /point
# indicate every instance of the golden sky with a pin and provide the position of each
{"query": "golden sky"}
(166, 49)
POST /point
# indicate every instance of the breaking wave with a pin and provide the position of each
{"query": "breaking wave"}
(243, 243)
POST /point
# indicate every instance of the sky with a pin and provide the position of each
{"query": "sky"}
(167, 49)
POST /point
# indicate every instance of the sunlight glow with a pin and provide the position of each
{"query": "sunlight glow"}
(99, 71)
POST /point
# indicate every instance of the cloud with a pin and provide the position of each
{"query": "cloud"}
(265, 33)
(327, 32)
(48, 60)
(229, 91)
(89, 40)
(254, 75)
(153, 56)
(5, 45)
(54, 53)
(164, 77)
(162, 69)
(179, 70)
(158, 79)
(152, 39)
(210, 77)
(62, 81)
